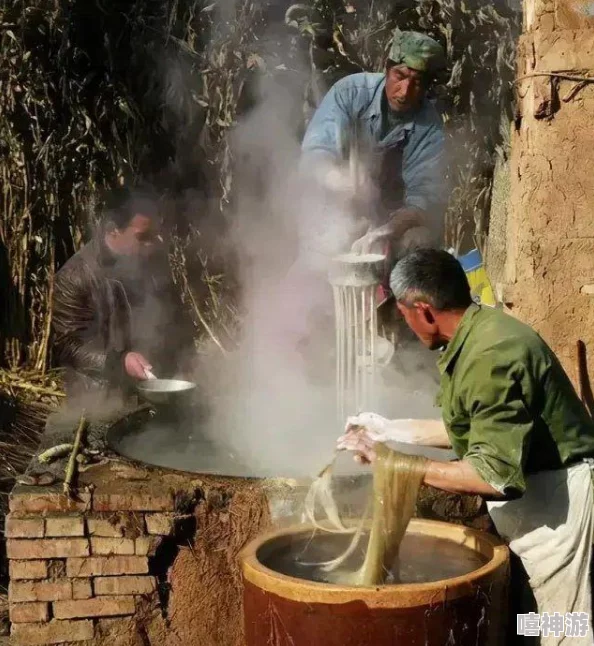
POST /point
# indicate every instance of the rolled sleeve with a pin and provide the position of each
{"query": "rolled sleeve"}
(500, 427)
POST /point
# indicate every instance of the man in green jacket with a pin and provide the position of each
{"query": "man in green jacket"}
(523, 437)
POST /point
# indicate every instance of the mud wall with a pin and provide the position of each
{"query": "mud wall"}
(497, 241)
(548, 277)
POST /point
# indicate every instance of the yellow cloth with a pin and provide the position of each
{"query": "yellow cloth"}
(480, 286)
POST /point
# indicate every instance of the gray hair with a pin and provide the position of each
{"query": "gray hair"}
(431, 276)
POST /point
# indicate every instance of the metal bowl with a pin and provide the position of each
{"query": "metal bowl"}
(166, 391)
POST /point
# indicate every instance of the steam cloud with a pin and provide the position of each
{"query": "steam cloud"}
(274, 402)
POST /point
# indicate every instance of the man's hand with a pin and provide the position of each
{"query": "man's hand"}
(400, 222)
(371, 242)
(137, 366)
(374, 240)
(363, 431)
(361, 442)
(373, 423)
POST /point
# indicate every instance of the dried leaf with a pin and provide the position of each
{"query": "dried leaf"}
(255, 61)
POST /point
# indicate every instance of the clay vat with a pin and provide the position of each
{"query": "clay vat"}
(282, 610)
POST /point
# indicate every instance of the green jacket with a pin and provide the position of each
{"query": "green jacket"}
(508, 406)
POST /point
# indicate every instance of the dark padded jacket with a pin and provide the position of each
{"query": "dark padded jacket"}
(91, 324)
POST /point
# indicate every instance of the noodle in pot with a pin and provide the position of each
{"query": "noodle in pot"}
(397, 479)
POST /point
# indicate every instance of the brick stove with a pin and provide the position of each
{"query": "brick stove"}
(141, 556)
(74, 562)
(146, 556)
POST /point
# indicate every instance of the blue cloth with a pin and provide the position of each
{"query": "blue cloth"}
(357, 99)
(471, 261)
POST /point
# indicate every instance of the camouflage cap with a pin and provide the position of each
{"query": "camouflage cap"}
(417, 51)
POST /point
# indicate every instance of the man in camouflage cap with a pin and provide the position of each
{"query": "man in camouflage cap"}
(396, 134)
(417, 51)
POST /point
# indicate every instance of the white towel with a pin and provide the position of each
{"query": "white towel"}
(551, 529)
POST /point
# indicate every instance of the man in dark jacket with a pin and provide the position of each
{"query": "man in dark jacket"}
(116, 316)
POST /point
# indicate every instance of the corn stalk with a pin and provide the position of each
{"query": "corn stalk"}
(93, 95)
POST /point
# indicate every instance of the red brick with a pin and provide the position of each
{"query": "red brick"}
(27, 569)
(21, 591)
(54, 632)
(28, 613)
(159, 524)
(124, 585)
(41, 500)
(131, 500)
(97, 607)
(108, 546)
(65, 526)
(82, 589)
(106, 566)
(46, 548)
(23, 527)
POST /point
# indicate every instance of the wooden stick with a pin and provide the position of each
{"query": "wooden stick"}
(585, 387)
(41, 363)
(206, 326)
(72, 461)
(565, 77)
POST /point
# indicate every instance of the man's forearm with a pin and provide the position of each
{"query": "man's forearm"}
(430, 432)
(458, 477)
(424, 432)
(405, 219)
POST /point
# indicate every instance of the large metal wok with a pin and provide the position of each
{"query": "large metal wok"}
(171, 440)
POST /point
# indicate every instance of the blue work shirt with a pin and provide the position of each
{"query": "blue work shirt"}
(357, 101)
